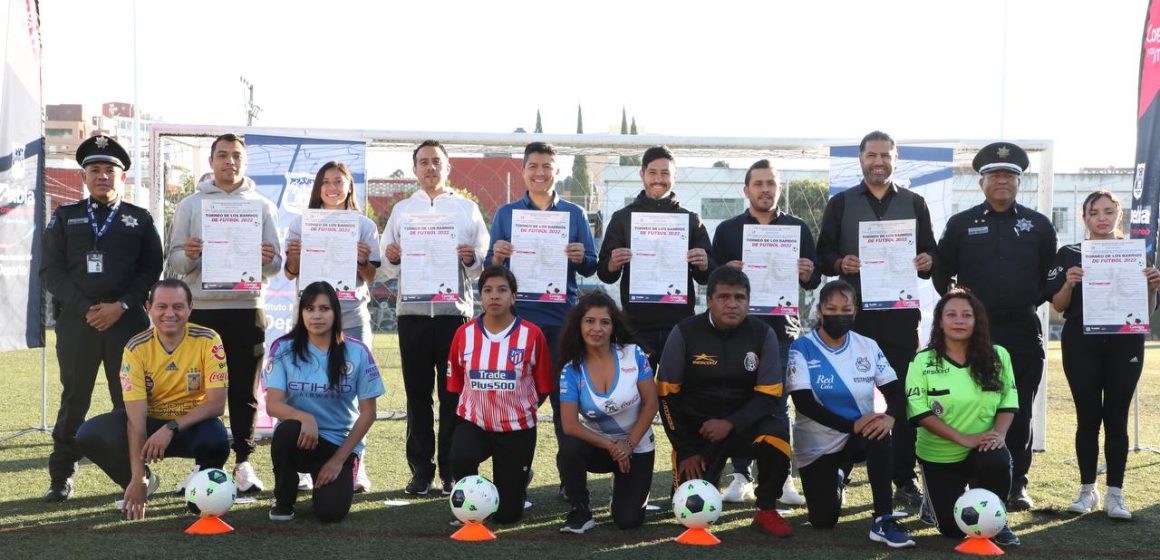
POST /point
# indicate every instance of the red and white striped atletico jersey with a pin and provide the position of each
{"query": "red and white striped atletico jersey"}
(499, 377)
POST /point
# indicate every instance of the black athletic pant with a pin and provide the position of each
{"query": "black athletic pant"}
(1102, 371)
(424, 345)
(511, 454)
(105, 441)
(945, 482)
(741, 464)
(820, 479)
(1021, 337)
(243, 333)
(766, 442)
(897, 336)
(80, 350)
(630, 490)
(331, 501)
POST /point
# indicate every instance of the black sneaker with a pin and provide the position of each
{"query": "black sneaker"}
(1006, 538)
(418, 486)
(908, 494)
(447, 485)
(1020, 500)
(578, 521)
(59, 491)
(281, 514)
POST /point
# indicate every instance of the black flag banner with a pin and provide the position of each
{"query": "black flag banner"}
(1146, 186)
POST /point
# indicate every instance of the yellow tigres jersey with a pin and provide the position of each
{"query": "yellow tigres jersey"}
(173, 384)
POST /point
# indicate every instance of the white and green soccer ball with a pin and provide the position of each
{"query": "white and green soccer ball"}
(697, 504)
(980, 513)
(473, 499)
(210, 492)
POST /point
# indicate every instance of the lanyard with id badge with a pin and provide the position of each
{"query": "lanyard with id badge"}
(95, 259)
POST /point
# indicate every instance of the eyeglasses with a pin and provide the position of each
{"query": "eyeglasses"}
(341, 182)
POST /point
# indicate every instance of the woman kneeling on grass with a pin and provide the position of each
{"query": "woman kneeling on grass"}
(322, 389)
(961, 393)
(500, 367)
(608, 399)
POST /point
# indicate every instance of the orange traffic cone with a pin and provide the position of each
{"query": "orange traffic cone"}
(472, 531)
(209, 525)
(979, 547)
(698, 537)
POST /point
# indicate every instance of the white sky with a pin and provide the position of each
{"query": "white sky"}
(815, 69)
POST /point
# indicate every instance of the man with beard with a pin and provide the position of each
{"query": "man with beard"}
(879, 198)
(763, 189)
(653, 321)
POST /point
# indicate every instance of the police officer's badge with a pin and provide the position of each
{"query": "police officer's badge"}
(750, 362)
(1003, 152)
(128, 220)
(1023, 224)
(102, 142)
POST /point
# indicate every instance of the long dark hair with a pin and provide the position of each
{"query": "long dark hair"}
(316, 193)
(982, 359)
(299, 337)
(572, 347)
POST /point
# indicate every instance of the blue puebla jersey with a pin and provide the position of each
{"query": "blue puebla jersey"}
(844, 381)
(611, 414)
(306, 386)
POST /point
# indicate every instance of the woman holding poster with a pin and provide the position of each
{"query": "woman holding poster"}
(1102, 369)
(334, 190)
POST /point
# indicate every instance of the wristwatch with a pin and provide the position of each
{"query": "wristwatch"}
(172, 425)
(124, 306)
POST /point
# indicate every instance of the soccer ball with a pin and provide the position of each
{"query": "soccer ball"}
(210, 492)
(980, 513)
(697, 504)
(473, 499)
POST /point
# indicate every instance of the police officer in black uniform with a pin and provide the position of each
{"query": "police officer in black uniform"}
(101, 254)
(1001, 251)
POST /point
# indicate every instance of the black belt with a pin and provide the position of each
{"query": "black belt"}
(1010, 314)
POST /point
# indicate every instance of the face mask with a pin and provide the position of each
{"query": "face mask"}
(837, 325)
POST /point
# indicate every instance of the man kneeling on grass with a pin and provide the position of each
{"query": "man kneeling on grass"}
(174, 378)
(719, 380)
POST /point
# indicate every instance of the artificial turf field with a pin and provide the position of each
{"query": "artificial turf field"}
(88, 526)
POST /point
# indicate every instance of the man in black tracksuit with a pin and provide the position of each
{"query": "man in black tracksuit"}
(719, 382)
(879, 198)
(653, 321)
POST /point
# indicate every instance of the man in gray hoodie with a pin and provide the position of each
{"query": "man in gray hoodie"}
(239, 317)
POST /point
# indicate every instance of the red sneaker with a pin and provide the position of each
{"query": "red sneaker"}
(770, 521)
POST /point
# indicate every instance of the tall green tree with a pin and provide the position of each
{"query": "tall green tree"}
(633, 129)
(539, 126)
(580, 180)
(624, 160)
(806, 199)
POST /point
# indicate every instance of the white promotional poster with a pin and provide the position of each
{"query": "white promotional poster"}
(770, 254)
(1115, 292)
(430, 265)
(888, 277)
(330, 250)
(231, 234)
(660, 247)
(539, 241)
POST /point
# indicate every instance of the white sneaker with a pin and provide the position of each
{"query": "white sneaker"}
(1116, 506)
(1087, 502)
(789, 494)
(305, 482)
(246, 479)
(740, 490)
(362, 482)
(185, 482)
